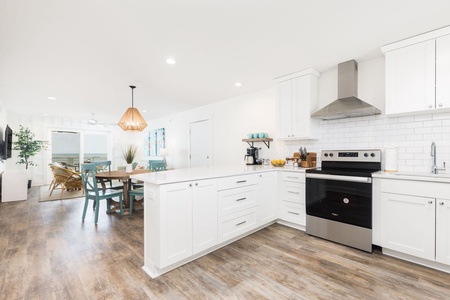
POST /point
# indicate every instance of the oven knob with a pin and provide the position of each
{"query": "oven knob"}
(331, 154)
(372, 154)
(345, 200)
(366, 154)
(326, 154)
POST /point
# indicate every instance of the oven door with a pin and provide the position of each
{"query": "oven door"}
(344, 199)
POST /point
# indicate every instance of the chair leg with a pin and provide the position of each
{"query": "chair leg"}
(108, 202)
(131, 204)
(86, 202)
(121, 205)
(97, 208)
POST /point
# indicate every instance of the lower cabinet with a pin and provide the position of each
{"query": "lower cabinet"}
(267, 197)
(415, 219)
(408, 224)
(188, 219)
(292, 198)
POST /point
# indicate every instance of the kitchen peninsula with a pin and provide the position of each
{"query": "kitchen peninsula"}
(194, 211)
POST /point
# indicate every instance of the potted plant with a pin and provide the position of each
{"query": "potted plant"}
(129, 154)
(27, 147)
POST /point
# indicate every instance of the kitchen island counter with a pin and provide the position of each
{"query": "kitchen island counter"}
(191, 174)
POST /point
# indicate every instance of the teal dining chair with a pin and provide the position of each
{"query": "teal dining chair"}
(154, 166)
(93, 192)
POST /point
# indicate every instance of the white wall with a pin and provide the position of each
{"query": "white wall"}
(232, 120)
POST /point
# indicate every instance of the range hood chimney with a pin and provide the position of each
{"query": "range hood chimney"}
(348, 104)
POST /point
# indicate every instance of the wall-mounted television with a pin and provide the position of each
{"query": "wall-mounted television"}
(6, 146)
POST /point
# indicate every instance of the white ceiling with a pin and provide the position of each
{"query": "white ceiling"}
(87, 52)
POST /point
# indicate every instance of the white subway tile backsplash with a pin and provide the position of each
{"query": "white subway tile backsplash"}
(432, 123)
(423, 117)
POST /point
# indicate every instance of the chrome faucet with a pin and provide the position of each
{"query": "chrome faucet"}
(434, 167)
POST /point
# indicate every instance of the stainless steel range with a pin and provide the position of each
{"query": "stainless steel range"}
(339, 197)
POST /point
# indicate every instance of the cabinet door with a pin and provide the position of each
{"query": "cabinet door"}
(284, 109)
(410, 78)
(267, 197)
(204, 215)
(443, 72)
(176, 222)
(408, 224)
(443, 231)
(302, 91)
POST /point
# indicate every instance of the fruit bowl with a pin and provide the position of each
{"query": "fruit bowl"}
(278, 162)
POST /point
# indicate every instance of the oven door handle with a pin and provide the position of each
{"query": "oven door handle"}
(340, 177)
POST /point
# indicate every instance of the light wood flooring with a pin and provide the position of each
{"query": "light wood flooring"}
(48, 253)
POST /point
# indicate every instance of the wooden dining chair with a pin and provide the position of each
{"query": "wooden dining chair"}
(93, 192)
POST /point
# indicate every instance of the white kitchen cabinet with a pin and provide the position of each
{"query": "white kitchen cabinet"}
(417, 73)
(408, 224)
(204, 231)
(292, 198)
(443, 71)
(296, 92)
(188, 214)
(443, 231)
(267, 197)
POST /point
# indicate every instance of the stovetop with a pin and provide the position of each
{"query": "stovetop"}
(361, 163)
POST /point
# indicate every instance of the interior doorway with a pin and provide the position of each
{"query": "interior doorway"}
(200, 144)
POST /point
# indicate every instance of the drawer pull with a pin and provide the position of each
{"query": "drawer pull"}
(241, 181)
(441, 203)
(293, 212)
(430, 202)
(243, 222)
(291, 192)
(240, 199)
(293, 177)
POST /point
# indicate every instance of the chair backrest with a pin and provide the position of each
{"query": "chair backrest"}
(88, 171)
(102, 166)
(157, 165)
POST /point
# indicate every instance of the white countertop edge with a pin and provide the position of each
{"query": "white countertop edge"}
(190, 174)
(412, 176)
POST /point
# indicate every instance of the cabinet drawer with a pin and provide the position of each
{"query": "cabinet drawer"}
(236, 224)
(236, 181)
(293, 212)
(234, 200)
(293, 192)
(293, 177)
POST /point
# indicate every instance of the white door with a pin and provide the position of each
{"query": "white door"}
(284, 109)
(443, 231)
(200, 144)
(267, 197)
(443, 72)
(408, 224)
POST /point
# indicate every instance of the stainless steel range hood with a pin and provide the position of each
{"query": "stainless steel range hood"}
(348, 104)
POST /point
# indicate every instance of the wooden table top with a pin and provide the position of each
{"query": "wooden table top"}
(120, 174)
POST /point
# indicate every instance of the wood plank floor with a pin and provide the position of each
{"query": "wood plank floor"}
(48, 253)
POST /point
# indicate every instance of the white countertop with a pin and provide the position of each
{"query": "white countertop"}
(190, 174)
(413, 176)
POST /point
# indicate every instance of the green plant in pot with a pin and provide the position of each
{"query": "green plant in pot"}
(129, 154)
(27, 147)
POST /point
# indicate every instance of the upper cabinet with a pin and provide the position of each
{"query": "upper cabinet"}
(418, 72)
(295, 94)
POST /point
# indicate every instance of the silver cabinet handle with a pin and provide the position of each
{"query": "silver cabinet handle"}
(190, 184)
(293, 212)
(293, 177)
(196, 184)
(440, 104)
(430, 106)
(240, 199)
(441, 203)
(243, 222)
(241, 181)
(430, 202)
(291, 192)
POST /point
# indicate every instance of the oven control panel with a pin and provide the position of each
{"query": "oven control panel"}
(369, 155)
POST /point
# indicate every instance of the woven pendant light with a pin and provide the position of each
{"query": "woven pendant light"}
(132, 119)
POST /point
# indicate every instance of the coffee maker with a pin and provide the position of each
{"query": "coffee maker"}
(252, 157)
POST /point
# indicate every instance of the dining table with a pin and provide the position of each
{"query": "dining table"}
(123, 176)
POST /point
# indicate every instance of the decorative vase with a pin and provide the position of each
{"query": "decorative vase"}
(129, 168)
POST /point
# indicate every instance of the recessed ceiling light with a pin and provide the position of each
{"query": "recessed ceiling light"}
(144, 111)
(51, 98)
(170, 61)
(238, 84)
